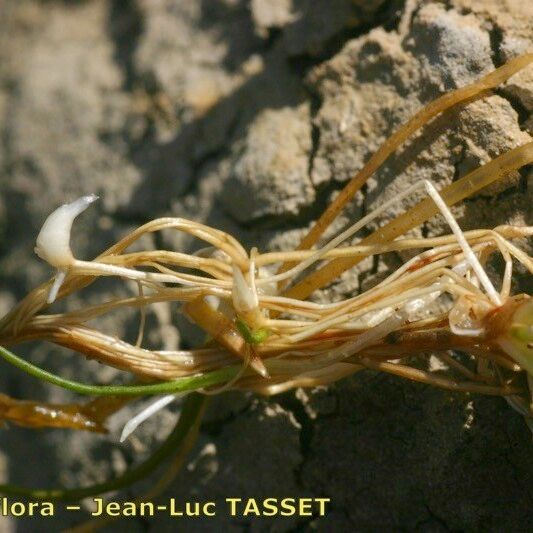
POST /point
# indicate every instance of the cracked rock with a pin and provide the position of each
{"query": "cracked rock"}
(310, 26)
(268, 14)
(378, 81)
(270, 171)
(453, 49)
(58, 124)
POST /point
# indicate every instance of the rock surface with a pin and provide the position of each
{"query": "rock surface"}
(250, 116)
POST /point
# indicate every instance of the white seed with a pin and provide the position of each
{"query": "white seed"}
(244, 299)
(53, 241)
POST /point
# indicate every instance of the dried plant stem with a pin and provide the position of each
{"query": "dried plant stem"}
(429, 378)
(457, 191)
(283, 340)
(421, 118)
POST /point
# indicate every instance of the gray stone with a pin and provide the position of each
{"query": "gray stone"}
(270, 173)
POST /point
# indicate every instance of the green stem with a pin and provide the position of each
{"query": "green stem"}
(191, 413)
(179, 385)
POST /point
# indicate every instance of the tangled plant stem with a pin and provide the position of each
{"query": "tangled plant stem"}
(178, 386)
(254, 306)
